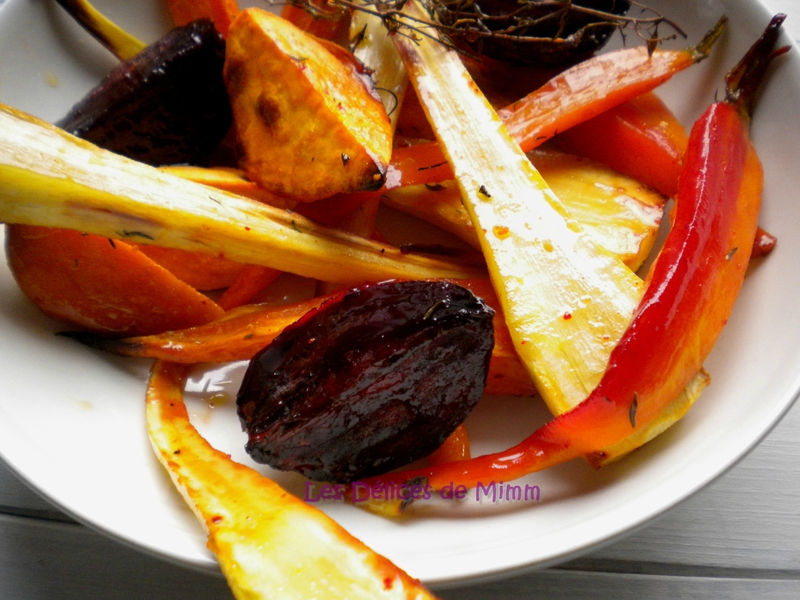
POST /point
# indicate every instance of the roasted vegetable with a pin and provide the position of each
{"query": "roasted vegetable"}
(374, 379)
(321, 18)
(641, 138)
(165, 105)
(692, 288)
(269, 544)
(373, 47)
(309, 124)
(569, 98)
(242, 332)
(228, 179)
(565, 300)
(55, 180)
(221, 12)
(620, 213)
(100, 285)
(201, 271)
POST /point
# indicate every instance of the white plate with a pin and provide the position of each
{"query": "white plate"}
(71, 419)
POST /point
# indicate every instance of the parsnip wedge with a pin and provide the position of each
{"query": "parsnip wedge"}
(269, 544)
(566, 300)
(52, 179)
(372, 45)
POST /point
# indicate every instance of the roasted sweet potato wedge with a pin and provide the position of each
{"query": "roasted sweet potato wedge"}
(308, 124)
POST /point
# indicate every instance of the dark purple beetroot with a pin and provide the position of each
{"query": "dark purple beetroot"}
(373, 380)
(166, 105)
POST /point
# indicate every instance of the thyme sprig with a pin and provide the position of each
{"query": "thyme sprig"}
(466, 20)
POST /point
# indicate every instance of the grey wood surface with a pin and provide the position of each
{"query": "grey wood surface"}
(738, 538)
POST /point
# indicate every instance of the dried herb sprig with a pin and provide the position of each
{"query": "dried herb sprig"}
(543, 32)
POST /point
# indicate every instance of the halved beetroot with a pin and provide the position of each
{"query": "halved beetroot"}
(374, 379)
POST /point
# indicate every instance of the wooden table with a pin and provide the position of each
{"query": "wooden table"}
(738, 538)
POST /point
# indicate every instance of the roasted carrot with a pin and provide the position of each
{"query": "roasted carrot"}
(643, 140)
(251, 281)
(456, 447)
(323, 21)
(101, 285)
(329, 211)
(244, 330)
(201, 271)
(640, 138)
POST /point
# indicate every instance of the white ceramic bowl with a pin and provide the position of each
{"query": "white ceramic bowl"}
(71, 419)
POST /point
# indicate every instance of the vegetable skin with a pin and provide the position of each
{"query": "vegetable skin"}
(165, 105)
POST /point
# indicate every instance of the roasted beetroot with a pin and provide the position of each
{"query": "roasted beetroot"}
(166, 105)
(371, 381)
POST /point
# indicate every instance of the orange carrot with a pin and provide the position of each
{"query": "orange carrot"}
(101, 285)
(329, 22)
(329, 211)
(251, 280)
(221, 12)
(640, 138)
(456, 447)
(237, 335)
(201, 271)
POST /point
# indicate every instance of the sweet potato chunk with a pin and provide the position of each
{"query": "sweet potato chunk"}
(101, 285)
(309, 125)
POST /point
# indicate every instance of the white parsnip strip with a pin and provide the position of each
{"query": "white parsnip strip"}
(375, 49)
(566, 301)
(269, 544)
(50, 178)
